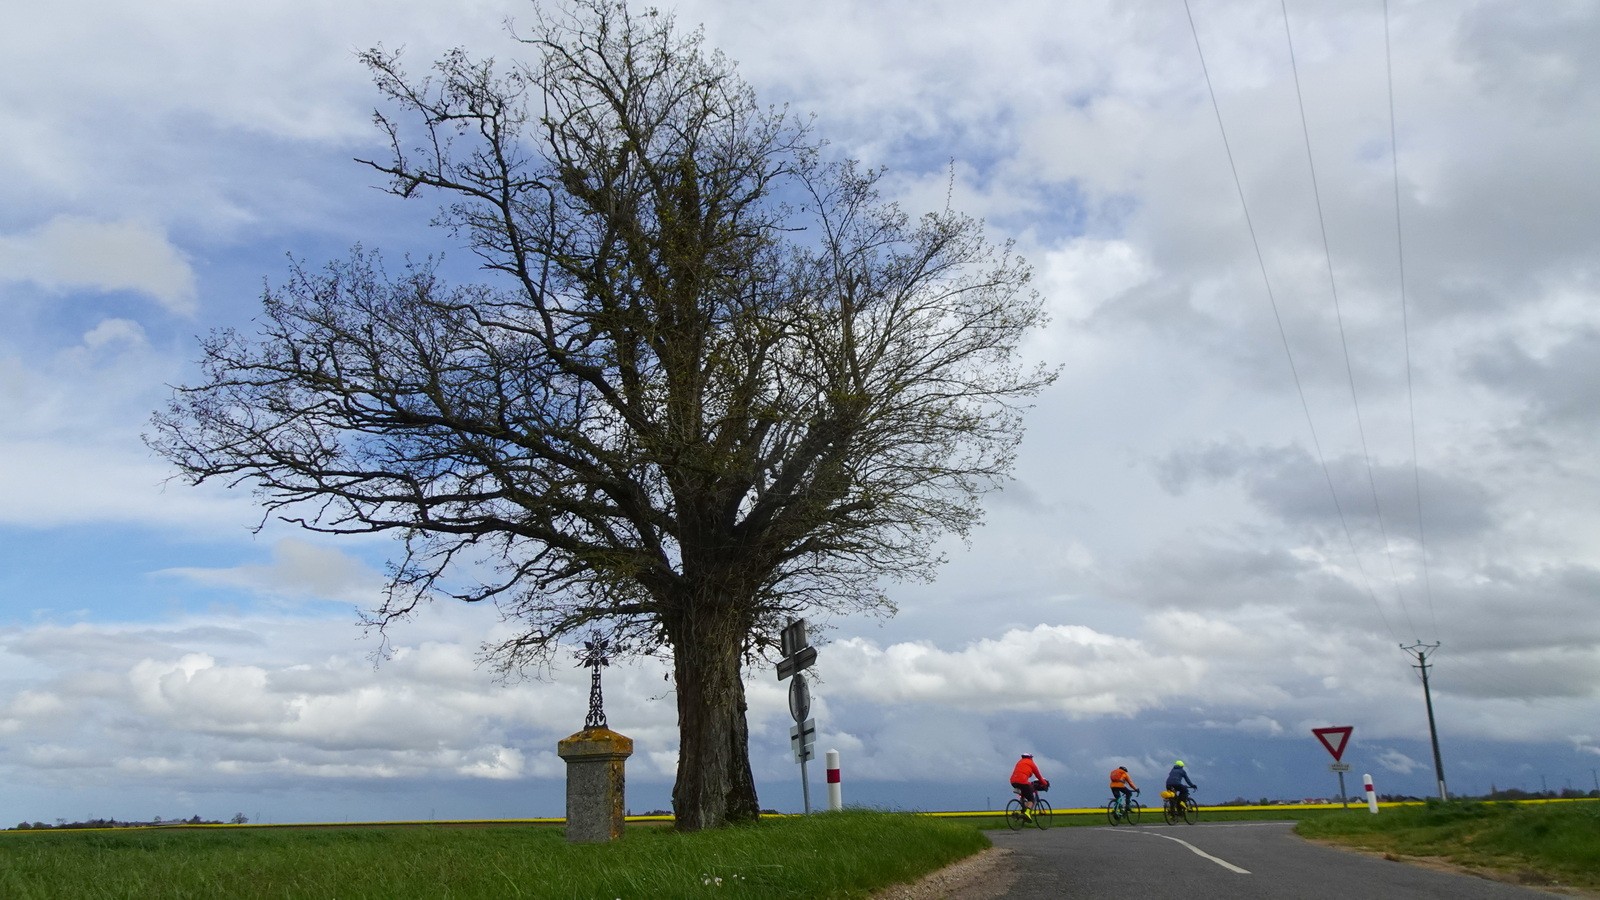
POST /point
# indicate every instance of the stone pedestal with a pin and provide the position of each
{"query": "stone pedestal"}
(595, 759)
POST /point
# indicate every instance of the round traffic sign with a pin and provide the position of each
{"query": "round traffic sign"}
(799, 698)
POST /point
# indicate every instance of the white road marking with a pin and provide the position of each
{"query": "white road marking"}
(1196, 851)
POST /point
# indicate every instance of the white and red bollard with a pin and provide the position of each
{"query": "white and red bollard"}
(835, 789)
(1372, 795)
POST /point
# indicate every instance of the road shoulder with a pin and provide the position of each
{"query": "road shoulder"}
(985, 875)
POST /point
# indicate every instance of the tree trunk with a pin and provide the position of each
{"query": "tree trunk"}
(714, 786)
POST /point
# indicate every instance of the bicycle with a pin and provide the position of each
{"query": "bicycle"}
(1172, 810)
(1117, 814)
(1038, 817)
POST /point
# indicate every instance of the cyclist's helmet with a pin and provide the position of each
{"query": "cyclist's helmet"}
(1027, 756)
(1179, 763)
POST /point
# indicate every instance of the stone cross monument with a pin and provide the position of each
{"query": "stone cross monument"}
(595, 762)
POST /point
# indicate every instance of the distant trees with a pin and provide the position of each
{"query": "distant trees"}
(1568, 793)
(719, 381)
(63, 824)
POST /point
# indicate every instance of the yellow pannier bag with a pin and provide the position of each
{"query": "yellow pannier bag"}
(1168, 795)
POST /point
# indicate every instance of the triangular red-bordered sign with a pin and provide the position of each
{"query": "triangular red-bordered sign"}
(1334, 747)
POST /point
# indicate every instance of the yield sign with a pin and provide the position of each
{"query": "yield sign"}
(1334, 739)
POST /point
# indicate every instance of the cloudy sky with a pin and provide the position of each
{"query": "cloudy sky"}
(1292, 432)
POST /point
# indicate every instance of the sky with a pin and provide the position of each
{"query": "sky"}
(1328, 387)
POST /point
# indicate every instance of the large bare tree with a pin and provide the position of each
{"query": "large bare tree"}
(714, 380)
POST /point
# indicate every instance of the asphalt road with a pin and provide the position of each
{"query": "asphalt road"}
(1220, 860)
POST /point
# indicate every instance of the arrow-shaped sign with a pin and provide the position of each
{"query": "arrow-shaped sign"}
(1326, 735)
(802, 659)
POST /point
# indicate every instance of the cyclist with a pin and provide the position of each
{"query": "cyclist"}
(1122, 788)
(1025, 778)
(1177, 779)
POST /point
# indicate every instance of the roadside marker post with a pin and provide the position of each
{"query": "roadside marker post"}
(835, 789)
(1335, 738)
(1372, 795)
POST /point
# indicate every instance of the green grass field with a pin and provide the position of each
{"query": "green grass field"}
(845, 854)
(1536, 843)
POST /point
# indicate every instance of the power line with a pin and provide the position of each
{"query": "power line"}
(1278, 317)
(1338, 314)
(1405, 324)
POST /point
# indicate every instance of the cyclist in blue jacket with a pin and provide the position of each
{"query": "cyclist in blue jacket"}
(1178, 782)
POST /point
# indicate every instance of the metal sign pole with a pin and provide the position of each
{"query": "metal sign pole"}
(805, 783)
(1341, 792)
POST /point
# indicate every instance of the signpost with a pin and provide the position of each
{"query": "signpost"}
(798, 654)
(1335, 739)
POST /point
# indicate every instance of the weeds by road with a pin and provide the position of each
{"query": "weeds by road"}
(1549, 843)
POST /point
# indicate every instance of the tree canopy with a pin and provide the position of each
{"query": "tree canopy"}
(712, 380)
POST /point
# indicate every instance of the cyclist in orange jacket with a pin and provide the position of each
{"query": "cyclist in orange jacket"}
(1122, 788)
(1025, 777)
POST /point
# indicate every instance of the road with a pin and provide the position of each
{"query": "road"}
(1211, 861)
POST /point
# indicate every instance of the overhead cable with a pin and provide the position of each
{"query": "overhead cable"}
(1278, 317)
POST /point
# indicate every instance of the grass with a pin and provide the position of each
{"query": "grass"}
(844, 854)
(1535, 843)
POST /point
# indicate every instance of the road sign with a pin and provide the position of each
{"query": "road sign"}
(1338, 767)
(792, 664)
(799, 698)
(1334, 738)
(803, 740)
(793, 637)
(797, 650)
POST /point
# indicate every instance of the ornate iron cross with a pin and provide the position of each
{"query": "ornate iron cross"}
(594, 657)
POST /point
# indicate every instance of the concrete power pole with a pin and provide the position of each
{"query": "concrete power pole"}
(1421, 651)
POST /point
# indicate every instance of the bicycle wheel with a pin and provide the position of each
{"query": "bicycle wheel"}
(1014, 818)
(1134, 808)
(1041, 814)
(1112, 814)
(1191, 811)
(1169, 811)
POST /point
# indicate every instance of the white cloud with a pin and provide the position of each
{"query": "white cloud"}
(110, 332)
(1397, 762)
(1065, 668)
(299, 568)
(303, 699)
(71, 253)
(47, 483)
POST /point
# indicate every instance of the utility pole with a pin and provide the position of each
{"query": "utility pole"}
(1420, 651)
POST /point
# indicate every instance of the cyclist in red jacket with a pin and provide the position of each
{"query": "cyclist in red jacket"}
(1025, 777)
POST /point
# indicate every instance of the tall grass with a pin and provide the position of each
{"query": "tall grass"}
(844, 854)
(1540, 842)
